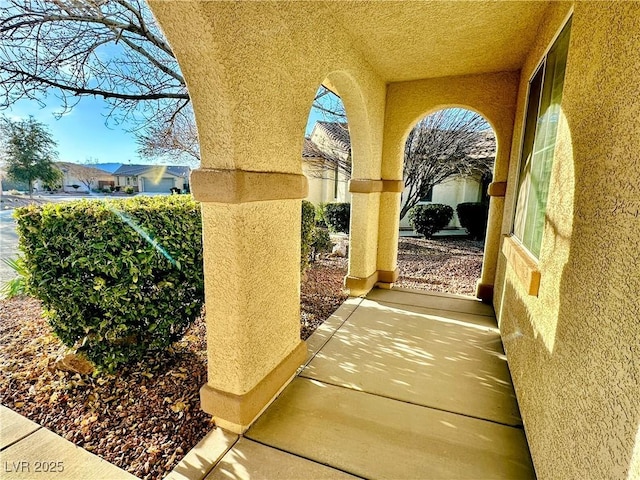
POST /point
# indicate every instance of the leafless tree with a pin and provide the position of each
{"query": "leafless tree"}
(171, 135)
(102, 48)
(443, 145)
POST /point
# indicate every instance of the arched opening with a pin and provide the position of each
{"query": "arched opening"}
(449, 157)
(326, 162)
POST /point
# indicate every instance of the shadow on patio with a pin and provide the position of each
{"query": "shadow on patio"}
(400, 384)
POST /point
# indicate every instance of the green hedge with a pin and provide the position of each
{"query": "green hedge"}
(307, 226)
(430, 218)
(473, 217)
(337, 216)
(116, 278)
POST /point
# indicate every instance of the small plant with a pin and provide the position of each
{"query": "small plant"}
(320, 221)
(106, 190)
(16, 286)
(321, 242)
(128, 190)
(429, 219)
(337, 216)
(473, 217)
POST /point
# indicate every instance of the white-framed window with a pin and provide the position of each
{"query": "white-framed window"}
(539, 141)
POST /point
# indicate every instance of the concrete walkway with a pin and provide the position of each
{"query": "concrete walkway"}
(29, 451)
(399, 385)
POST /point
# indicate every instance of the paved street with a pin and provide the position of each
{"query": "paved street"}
(8, 244)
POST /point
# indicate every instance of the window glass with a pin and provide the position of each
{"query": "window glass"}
(541, 126)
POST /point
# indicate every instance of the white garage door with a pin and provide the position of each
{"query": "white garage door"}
(163, 186)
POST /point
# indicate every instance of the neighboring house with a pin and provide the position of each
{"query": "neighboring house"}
(143, 178)
(84, 177)
(324, 151)
(329, 145)
(152, 178)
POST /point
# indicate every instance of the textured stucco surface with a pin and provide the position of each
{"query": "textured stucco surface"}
(253, 68)
(412, 40)
(574, 350)
(491, 95)
(252, 290)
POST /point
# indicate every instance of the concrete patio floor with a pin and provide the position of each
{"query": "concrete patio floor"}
(398, 385)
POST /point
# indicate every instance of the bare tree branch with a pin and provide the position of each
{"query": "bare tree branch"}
(76, 48)
(448, 143)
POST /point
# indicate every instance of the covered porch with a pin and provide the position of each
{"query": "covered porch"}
(400, 384)
(567, 309)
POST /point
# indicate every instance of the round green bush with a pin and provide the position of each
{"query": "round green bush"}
(428, 219)
(337, 216)
(119, 278)
(473, 217)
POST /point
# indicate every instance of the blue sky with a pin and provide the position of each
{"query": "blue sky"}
(82, 133)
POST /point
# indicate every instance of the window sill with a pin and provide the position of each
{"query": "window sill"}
(523, 264)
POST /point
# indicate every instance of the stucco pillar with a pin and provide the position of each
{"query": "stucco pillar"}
(388, 232)
(252, 289)
(363, 236)
(375, 215)
(497, 191)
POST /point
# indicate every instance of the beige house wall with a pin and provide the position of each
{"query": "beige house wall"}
(574, 349)
(322, 189)
(452, 192)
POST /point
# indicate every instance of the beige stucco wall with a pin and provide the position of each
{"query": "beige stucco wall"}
(493, 96)
(252, 69)
(574, 350)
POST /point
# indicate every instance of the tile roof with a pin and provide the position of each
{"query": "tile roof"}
(134, 170)
(338, 132)
(310, 149)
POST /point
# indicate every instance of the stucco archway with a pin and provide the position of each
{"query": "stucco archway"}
(491, 95)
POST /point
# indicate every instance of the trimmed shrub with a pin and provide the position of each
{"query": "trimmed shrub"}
(307, 227)
(116, 278)
(321, 241)
(430, 218)
(473, 217)
(337, 216)
(128, 190)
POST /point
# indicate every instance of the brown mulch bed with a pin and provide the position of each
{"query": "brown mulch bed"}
(448, 265)
(146, 417)
(321, 293)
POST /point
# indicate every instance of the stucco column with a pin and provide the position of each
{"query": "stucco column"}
(375, 213)
(363, 236)
(388, 232)
(484, 287)
(252, 286)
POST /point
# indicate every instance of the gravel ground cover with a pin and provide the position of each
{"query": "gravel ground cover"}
(147, 416)
(448, 265)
